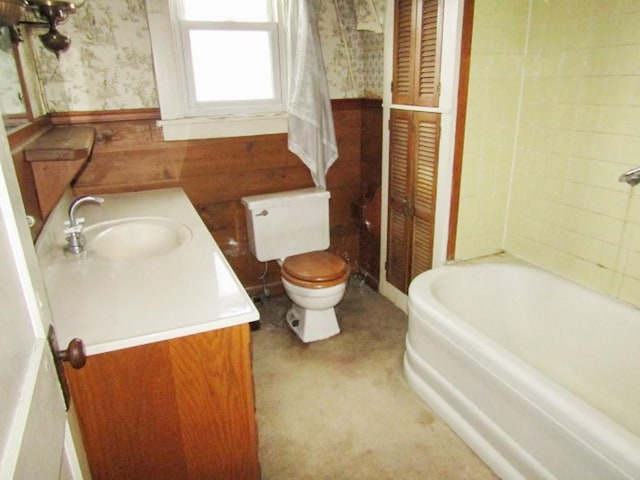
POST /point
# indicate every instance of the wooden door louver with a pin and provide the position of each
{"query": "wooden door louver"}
(399, 181)
(417, 45)
(414, 138)
(428, 81)
(424, 195)
(403, 57)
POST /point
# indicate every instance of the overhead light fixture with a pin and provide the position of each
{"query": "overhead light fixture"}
(54, 12)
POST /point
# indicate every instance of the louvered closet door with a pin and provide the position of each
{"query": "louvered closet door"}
(404, 52)
(399, 223)
(414, 138)
(427, 79)
(417, 44)
(427, 134)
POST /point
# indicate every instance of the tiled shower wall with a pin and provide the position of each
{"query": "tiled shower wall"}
(497, 58)
(576, 129)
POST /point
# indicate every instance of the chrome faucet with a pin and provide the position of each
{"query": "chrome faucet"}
(632, 177)
(76, 240)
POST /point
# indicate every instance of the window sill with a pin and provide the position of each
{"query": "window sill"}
(221, 127)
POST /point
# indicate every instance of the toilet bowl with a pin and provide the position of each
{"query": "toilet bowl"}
(294, 226)
(315, 283)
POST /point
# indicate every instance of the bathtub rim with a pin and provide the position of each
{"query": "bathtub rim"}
(609, 440)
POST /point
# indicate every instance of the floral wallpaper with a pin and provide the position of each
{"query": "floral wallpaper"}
(352, 41)
(372, 64)
(109, 65)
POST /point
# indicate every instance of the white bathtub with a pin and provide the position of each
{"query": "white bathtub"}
(539, 376)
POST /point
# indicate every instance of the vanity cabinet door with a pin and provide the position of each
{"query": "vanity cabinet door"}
(182, 408)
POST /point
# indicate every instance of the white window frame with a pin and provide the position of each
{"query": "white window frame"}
(196, 108)
(182, 117)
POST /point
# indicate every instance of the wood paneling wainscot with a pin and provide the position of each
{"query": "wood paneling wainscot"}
(130, 154)
(371, 181)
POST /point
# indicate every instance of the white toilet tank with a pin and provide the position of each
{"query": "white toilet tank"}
(287, 223)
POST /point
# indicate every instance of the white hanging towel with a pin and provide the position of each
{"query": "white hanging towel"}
(311, 133)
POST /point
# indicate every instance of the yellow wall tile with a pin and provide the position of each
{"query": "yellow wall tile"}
(560, 105)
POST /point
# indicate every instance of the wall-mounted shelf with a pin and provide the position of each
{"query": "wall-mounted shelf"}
(57, 157)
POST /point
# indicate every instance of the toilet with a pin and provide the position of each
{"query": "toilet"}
(293, 228)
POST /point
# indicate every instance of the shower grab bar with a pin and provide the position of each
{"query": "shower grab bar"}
(632, 177)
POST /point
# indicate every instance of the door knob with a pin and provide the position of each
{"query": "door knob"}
(75, 354)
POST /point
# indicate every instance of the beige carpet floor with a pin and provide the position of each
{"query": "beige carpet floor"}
(341, 408)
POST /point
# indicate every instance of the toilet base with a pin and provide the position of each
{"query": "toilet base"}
(312, 325)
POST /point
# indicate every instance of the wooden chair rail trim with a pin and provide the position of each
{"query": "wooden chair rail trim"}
(71, 118)
(21, 136)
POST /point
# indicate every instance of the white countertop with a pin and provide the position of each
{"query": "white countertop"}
(112, 304)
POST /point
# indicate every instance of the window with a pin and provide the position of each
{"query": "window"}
(231, 52)
(219, 67)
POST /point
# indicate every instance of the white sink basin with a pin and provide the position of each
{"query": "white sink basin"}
(137, 238)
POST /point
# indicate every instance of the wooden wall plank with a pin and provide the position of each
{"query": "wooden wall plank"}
(371, 181)
(52, 179)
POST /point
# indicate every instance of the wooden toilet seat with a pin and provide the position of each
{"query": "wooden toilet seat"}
(315, 270)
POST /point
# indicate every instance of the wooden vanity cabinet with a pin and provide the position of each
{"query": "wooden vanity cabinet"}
(176, 409)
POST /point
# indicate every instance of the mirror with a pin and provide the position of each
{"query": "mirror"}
(12, 97)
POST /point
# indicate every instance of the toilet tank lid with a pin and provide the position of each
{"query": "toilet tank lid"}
(280, 199)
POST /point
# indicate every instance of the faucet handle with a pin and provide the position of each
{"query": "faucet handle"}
(78, 221)
(77, 228)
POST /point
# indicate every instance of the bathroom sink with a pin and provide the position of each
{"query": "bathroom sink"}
(137, 238)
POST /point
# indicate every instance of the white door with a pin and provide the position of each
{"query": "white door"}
(32, 412)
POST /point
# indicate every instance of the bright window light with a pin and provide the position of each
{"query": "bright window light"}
(227, 74)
